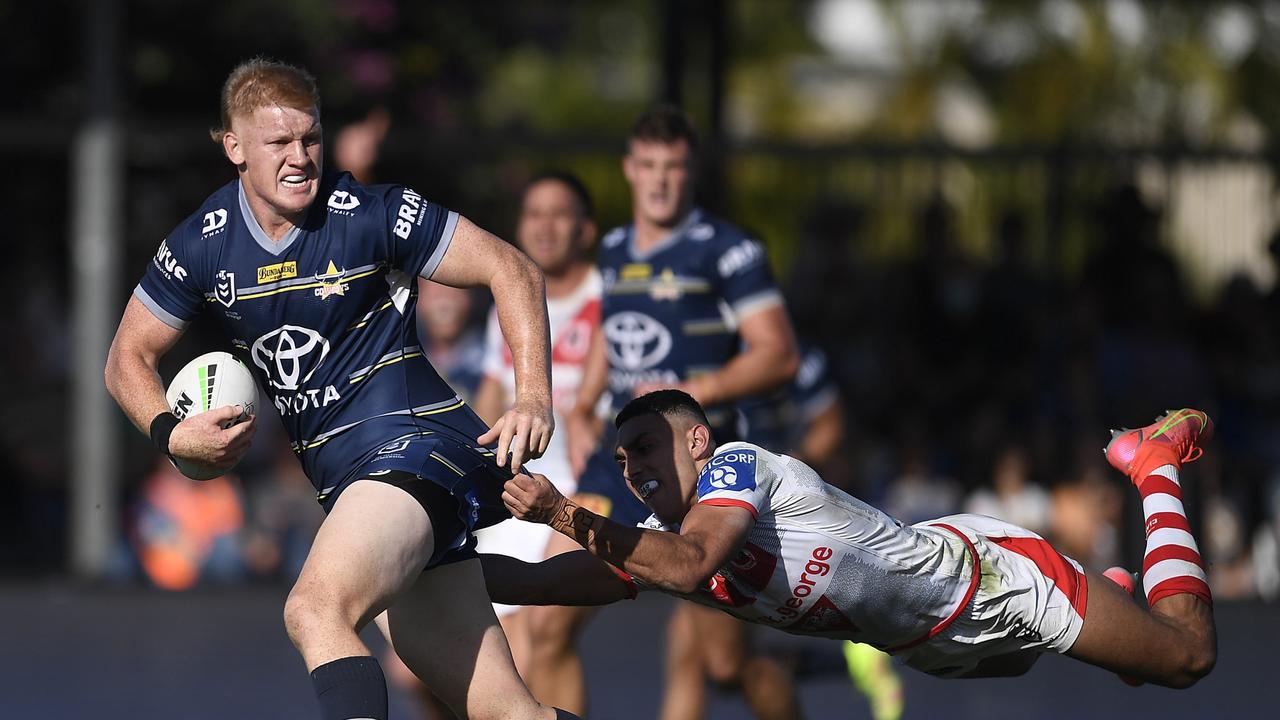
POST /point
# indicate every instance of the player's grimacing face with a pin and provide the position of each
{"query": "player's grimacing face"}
(280, 154)
(657, 465)
(551, 227)
(661, 179)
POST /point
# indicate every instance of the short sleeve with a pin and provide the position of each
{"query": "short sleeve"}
(168, 287)
(746, 281)
(732, 478)
(420, 231)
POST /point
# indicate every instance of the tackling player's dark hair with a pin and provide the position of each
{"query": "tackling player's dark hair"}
(666, 403)
(570, 181)
(665, 124)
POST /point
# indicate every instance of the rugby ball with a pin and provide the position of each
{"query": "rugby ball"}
(212, 380)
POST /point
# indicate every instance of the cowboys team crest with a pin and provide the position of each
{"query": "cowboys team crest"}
(331, 282)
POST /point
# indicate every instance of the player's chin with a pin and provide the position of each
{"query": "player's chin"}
(663, 213)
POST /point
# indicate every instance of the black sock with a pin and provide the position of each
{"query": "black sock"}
(565, 715)
(351, 687)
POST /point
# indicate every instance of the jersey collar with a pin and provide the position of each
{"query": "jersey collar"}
(260, 235)
(676, 234)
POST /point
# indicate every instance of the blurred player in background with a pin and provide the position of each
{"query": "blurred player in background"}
(555, 228)
(312, 277)
(762, 537)
(689, 302)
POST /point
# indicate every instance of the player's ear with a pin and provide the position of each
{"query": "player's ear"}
(699, 440)
(629, 166)
(231, 146)
(587, 235)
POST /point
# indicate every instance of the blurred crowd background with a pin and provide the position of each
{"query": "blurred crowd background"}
(1010, 225)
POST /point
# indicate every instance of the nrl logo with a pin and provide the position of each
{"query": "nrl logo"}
(224, 289)
(331, 282)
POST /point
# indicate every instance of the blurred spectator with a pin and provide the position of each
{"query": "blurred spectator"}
(1012, 496)
(918, 492)
(1266, 546)
(186, 532)
(356, 147)
(283, 516)
(1084, 516)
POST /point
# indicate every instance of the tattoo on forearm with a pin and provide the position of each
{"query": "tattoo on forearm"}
(577, 522)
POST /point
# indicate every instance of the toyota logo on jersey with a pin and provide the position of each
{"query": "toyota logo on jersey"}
(289, 355)
(636, 341)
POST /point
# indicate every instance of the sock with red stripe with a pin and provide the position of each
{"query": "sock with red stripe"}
(1172, 564)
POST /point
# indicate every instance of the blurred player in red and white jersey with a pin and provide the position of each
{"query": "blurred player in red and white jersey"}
(555, 229)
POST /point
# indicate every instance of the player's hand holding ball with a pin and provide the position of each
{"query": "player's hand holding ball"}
(532, 498)
(523, 433)
(209, 444)
(215, 398)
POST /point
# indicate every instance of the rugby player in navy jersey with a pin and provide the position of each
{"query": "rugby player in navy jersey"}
(689, 302)
(312, 278)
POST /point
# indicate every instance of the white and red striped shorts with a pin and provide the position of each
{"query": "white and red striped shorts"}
(1029, 597)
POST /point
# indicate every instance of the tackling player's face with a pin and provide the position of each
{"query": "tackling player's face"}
(279, 154)
(657, 465)
(661, 178)
(552, 229)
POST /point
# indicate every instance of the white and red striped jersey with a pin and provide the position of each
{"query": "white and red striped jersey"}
(820, 562)
(574, 318)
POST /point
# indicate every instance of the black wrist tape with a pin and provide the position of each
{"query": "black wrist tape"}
(162, 427)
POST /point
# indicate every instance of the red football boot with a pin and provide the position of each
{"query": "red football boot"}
(1174, 438)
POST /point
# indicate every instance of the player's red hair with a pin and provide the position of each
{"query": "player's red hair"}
(261, 83)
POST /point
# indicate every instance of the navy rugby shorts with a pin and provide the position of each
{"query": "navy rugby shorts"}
(459, 485)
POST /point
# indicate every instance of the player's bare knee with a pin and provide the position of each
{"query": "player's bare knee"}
(305, 614)
(299, 617)
(552, 632)
(724, 668)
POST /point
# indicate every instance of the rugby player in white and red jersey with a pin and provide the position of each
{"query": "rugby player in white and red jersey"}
(763, 538)
(555, 229)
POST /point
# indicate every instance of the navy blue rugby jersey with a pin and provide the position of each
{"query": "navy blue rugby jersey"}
(325, 318)
(670, 313)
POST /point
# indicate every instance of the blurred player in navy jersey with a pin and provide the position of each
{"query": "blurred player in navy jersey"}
(689, 303)
(312, 278)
